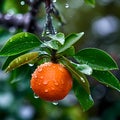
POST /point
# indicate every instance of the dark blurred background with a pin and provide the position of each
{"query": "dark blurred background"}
(101, 25)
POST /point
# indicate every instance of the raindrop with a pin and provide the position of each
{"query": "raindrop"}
(67, 5)
(41, 77)
(39, 70)
(35, 76)
(31, 64)
(45, 82)
(36, 96)
(26, 58)
(56, 83)
(53, 88)
(54, 1)
(82, 79)
(55, 103)
(46, 90)
(22, 2)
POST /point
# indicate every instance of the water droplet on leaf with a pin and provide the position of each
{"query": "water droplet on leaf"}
(82, 79)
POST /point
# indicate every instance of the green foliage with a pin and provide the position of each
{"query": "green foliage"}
(19, 43)
(96, 59)
(107, 78)
(21, 60)
(91, 61)
(84, 98)
(91, 2)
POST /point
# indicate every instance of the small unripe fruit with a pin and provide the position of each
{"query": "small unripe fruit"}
(51, 81)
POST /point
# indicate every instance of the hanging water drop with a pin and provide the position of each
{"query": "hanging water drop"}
(36, 96)
(55, 103)
(66, 5)
(22, 2)
(54, 1)
(31, 64)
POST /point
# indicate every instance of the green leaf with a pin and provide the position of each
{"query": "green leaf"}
(107, 78)
(83, 97)
(91, 2)
(81, 78)
(69, 41)
(83, 68)
(21, 60)
(9, 59)
(58, 37)
(53, 44)
(19, 43)
(96, 59)
(69, 52)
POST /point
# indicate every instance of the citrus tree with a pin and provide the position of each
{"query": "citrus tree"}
(58, 66)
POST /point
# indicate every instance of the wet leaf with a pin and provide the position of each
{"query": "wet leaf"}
(83, 68)
(21, 60)
(19, 43)
(96, 59)
(81, 78)
(107, 78)
(83, 97)
(90, 2)
(58, 37)
(69, 41)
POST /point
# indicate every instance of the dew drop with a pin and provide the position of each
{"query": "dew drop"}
(41, 77)
(35, 76)
(45, 82)
(31, 64)
(22, 2)
(46, 90)
(82, 79)
(66, 5)
(40, 69)
(55, 103)
(54, 1)
(36, 96)
(56, 83)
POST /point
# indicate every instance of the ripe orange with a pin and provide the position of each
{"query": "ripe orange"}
(51, 81)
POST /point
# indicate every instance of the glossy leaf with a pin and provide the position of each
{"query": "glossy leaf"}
(107, 78)
(69, 41)
(53, 44)
(58, 37)
(91, 2)
(69, 52)
(21, 60)
(83, 68)
(81, 78)
(83, 97)
(19, 43)
(96, 59)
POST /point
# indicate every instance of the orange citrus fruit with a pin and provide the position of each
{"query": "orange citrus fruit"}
(51, 81)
